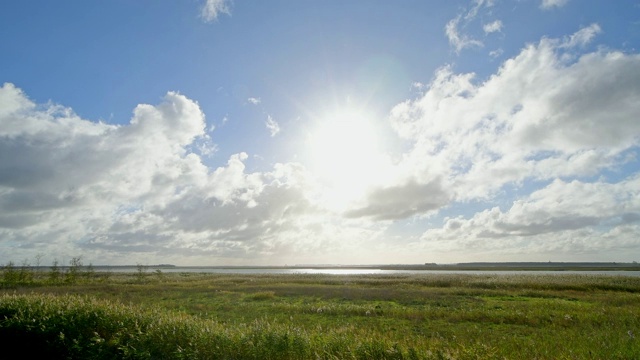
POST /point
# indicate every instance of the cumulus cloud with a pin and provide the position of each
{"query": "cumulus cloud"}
(54, 150)
(53, 162)
(212, 8)
(231, 215)
(551, 114)
(254, 101)
(547, 112)
(549, 4)
(136, 192)
(572, 216)
(272, 125)
(69, 185)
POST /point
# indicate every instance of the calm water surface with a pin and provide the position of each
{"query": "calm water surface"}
(338, 271)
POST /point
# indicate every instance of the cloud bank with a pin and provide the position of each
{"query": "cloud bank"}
(548, 114)
(562, 218)
(68, 184)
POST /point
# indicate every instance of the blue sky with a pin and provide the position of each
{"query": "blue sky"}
(282, 132)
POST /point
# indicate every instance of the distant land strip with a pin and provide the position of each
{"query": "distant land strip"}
(487, 266)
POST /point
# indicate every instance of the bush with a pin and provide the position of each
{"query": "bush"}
(14, 276)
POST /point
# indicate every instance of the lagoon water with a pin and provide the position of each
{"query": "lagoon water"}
(363, 271)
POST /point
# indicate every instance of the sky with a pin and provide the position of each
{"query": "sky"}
(239, 132)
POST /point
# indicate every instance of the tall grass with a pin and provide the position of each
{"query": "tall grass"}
(77, 327)
(200, 316)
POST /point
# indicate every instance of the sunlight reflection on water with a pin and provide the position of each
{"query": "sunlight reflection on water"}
(368, 271)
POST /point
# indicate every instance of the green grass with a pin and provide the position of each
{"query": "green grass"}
(212, 316)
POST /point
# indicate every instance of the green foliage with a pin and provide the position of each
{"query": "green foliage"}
(55, 274)
(77, 327)
(73, 271)
(14, 276)
(9, 274)
(26, 273)
(198, 316)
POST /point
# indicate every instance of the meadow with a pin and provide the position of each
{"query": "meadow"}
(82, 314)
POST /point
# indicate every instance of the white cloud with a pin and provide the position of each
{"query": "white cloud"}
(135, 192)
(543, 115)
(117, 192)
(478, 5)
(402, 201)
(254, 101)
(457, 39)
(272, 125)
(492, 27)
(549, 4)
(583, 36)
(454, 30)
(571, 217)
(54, 150)
(212, 8)
(550, 114)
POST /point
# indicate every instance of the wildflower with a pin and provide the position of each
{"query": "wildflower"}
(630, 333)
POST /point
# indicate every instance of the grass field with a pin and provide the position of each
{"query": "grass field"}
(209, 316)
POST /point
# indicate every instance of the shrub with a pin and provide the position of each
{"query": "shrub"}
(75, 266)
(55, 273)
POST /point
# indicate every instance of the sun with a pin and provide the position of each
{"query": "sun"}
(345, 149)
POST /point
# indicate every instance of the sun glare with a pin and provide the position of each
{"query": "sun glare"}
(346, 155)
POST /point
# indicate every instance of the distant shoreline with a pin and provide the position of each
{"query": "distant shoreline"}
(475, 266)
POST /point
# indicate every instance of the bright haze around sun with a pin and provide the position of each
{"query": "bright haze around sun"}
(220, 132)
(346, 155)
